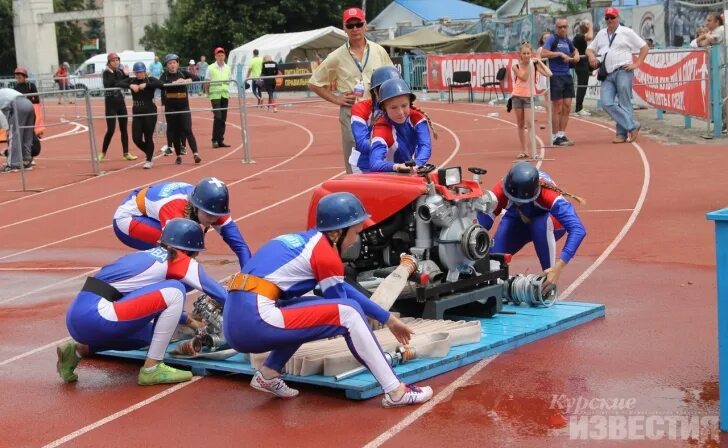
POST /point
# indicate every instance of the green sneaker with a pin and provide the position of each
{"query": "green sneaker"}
(163, 374)
(101, 157)
(67, 361)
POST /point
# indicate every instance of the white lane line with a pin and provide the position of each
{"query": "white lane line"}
(62, 268)
(121, 413)
(35, 350)
(445, 393)
(33, 249)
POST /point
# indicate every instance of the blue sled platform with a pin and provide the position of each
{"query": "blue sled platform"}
(500, 333)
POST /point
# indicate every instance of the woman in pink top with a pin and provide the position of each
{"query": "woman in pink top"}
(521, 97)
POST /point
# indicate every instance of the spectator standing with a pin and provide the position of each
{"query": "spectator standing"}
(254, 69)
(24, 86)
(202, 70)
(155, 68)
(115, 107)
(560, 51)
(715, 35)
(348, 71)
(270, 68)
(581, 40)
(219, 94)
(61, 77)
(615, 45)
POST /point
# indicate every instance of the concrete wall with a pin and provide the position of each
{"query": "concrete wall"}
(35, 43)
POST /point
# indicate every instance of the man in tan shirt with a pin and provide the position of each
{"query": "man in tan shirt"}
(343, 78)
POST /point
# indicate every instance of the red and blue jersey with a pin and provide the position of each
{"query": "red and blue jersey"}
(140, 269)
(297, 262)
(168, 200)
(398, 143)
(363, 115)
(550, 201)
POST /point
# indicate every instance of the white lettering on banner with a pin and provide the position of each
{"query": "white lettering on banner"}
(643, 427)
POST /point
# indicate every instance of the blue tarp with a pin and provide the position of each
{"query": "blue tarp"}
(432, 10)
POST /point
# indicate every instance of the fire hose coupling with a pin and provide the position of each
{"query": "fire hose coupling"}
(487, 203)
(475, 242)
(529, 289)
(408, 261)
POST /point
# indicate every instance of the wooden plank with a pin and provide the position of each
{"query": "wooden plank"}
(501, 333)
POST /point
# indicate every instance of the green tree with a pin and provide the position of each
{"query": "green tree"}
(7, 37)
(69, 35)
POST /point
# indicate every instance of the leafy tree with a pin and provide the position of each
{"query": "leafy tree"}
(69, 35)
(7, 37)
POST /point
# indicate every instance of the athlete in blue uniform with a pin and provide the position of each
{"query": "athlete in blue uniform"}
(535, 210)
(139, 220)
(266, 312)
(137, 301)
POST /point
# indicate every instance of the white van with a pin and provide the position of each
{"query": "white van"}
(88, 74)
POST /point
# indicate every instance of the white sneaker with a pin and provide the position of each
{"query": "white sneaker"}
(166, 150)
(584, 113)
(147, 165)
(412, 395)
(275, 386)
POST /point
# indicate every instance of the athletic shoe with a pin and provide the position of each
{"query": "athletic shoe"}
(183, 151)
(566, 142)
(166, 150)
(223, 145)
(619, 139)
(9, 169)
(163, 374)
(178, 160)
(215, 145)
(584, 113)
(67, 361)
(28, 166)
(276, 386)
(557, 141)
(101, 157)
(147, 165)
(130, 157)
(634, 133)
(197, 157)
(412, 395)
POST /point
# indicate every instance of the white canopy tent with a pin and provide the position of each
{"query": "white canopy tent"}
(290, 47)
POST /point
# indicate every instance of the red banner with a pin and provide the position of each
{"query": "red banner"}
(482, 66)
(675, 81)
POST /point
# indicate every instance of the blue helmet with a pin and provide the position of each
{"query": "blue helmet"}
(521, 184)
(211, 196)
(170, 57)
(139, 67)
(392, 88)
(384, 73)
(184, 234)
(339, 211)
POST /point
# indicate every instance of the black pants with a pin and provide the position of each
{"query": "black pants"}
(220, 116)
(142, 132)
(112, 111)
(179, 125)
(582, 79)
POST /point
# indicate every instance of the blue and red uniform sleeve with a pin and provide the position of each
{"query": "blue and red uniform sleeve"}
(423, 150)
(488, 220)
(564, 212)
(192, 275)
(230, 233)
(361, 112)
(329, 273)
(381, 141)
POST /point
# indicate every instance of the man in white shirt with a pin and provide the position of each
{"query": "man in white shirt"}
(615, 45)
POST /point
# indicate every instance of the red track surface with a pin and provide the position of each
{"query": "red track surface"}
(656, 345)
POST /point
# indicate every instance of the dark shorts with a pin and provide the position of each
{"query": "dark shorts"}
(562, 86)
(521, 102)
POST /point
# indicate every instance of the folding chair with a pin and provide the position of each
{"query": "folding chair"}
(460, 79)
(494, 83)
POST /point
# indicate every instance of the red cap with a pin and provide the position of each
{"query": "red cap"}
(21, 71)
(354, 13)
(111, 57)
(219, 50)
(611, 12)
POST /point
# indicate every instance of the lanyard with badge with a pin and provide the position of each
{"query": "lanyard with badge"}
(359, 87)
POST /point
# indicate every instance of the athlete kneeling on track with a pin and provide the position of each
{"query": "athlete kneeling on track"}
(137, 301)
(535, 210)
(266, 311)
(139, 220)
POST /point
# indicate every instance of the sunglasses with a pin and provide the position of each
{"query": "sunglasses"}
(609, 17)
(562, 26)
(351, 26)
